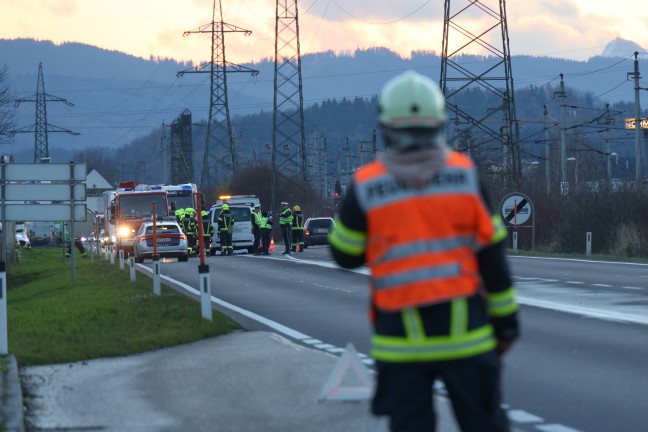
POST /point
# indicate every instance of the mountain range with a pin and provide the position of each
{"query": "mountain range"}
(118, 97)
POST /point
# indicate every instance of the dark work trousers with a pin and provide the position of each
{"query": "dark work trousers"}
(298, 240)
(265, 240)
(404, 393)
(77, 244)
(191, 243)
(226, 243)
(257, 240)
(285, 233)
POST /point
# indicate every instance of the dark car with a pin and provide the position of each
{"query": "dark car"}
(316, 231)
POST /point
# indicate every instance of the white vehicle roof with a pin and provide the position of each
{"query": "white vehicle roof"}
(239, 200)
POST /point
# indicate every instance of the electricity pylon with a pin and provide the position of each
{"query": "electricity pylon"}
(288, 135)
(472, 26)
(182, 169)
(41, 128)
(219, 126)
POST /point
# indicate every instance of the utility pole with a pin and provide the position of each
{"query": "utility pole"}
(547, 151)
(608, 122)
(563, 138)
(638, 162)
(219, 126)
(288, 108)
(41, 127)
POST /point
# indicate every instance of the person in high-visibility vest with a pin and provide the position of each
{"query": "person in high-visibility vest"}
(256, 229)
(266, 229)
(225, 228)
(285, 223)
(443, 305)
(297, 230)
(189, 227)
(208, 230)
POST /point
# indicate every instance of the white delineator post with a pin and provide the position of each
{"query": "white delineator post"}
(121, 259)
(4, 341)
(157, 290)
(131, 263)
(205, 292)
(112, 255)
(588, 244)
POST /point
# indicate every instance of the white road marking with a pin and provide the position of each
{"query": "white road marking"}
(631, 288)
(578, 260)
(575, 282)
(555, 428)
(520, 416)
(603, 285)
(548, 280)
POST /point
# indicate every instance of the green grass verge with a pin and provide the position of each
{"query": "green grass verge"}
(103, 314)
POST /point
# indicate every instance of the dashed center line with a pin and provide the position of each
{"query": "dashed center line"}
(575, 282)
(603, 285)
(632, 288)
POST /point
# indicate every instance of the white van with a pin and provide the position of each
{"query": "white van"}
(241, 207)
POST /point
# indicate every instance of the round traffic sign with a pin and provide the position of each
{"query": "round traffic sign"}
(516, 209)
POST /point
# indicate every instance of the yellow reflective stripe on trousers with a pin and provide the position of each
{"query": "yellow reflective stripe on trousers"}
(346, 240)
(436, 348)
(502, 303)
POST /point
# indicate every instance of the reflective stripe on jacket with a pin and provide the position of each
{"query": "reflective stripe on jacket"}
(422, 243)
(298, 222)
(225, 222)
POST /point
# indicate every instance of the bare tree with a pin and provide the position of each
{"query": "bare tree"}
(7, 109)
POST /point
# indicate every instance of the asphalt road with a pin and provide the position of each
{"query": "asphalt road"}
(580, 365)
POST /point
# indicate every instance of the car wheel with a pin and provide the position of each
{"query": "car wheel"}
(183, 258)
(139, 260)
(212, 252)
(250, 250)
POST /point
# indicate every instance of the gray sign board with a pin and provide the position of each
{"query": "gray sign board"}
(43, 212)
(43, 192)
(44, 172)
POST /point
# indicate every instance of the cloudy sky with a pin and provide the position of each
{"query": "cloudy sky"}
(576, 29)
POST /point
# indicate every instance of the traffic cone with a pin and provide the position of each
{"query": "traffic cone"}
(272, 246)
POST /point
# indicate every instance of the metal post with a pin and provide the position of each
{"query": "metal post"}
(563, 137)
(121, 259)
(638, 163)
(588, 244)
(131, 264)
(4, 335)
(72, 239)
(547, 152)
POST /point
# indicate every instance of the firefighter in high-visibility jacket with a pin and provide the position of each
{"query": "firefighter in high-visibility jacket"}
(225, 230)
(208, 230)
(442, 302)
(297, 230)
(190, 229)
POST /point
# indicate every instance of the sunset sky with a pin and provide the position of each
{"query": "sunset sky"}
(576, 29)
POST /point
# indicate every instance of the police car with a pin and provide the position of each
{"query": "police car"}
(171, 241)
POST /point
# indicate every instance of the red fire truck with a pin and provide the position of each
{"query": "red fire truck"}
(129, 208)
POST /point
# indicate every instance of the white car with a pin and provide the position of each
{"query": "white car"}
(171, 241)
(23, 240)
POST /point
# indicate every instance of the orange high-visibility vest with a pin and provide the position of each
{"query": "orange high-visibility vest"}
(422, 243)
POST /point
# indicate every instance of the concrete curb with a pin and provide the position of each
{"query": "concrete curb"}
(11, 404)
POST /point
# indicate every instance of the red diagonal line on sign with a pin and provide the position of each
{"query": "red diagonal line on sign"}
(516, 210)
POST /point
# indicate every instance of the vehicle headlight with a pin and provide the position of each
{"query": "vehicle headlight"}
(83, 239)
(123, 232)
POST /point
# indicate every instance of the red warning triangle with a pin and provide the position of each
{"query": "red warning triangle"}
(350, 379)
